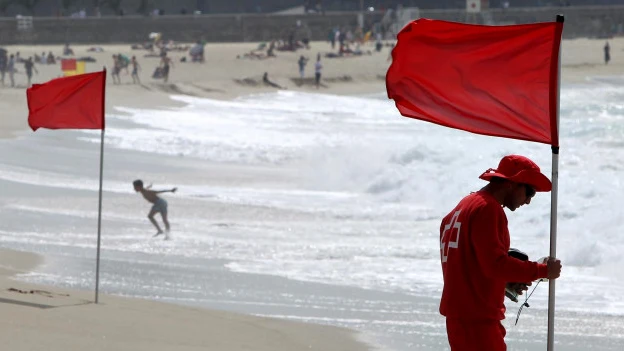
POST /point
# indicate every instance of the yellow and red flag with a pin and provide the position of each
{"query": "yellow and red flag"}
(72, 67)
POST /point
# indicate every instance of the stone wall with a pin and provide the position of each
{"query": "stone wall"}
(579, 22)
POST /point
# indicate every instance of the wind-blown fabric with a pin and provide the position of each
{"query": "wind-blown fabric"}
(75, 102)
(492, 80)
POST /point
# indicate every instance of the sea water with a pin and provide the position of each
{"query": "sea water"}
(318, 208)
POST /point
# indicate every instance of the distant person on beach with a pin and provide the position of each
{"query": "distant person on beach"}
(135, 70)
(124, 62)
(318, 67)
(271, 48)
(29, 66)
(67, 51)
(265, 80)
(116, 70)
(11, 70)
(302, 63)
(197, 52)
(476, 267)
(165, 64)
(331, 37)
(50, 60)
(3, 65)
(159, 204)
(607, 53)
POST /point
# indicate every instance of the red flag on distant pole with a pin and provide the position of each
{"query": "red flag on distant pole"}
(493, 80)
(75, 102)
(68, 64)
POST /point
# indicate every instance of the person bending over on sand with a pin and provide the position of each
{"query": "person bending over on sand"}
(159, 204)
(267, 81)
(476, 266)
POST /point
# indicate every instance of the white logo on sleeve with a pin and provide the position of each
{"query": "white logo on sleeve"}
(447, 234)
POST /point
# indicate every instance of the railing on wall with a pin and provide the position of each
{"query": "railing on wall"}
(24, 23)
(582, 22)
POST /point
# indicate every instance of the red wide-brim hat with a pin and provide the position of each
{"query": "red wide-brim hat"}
(519, 169)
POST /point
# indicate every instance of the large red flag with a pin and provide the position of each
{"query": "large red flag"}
(493, 80)
(75, 102)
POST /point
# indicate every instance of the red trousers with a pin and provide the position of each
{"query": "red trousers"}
(466, 335)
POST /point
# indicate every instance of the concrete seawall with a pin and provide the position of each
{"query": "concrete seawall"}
(600, 21)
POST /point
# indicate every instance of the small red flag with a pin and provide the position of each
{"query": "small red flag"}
(75, 102)
(68, 64)
(493, 80)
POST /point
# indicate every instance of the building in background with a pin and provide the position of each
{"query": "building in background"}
(76, 8)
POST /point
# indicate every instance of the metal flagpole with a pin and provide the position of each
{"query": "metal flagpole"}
(97, 263)
(99, 229)
(553, 213)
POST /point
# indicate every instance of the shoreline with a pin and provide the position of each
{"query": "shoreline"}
(53, 318)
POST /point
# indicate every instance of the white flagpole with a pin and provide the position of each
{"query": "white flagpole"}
(553, 214)
(97, 262)
(99, 229)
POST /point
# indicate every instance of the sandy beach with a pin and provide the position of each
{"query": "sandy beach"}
(52, 318)
(221, 76)
(224, 76)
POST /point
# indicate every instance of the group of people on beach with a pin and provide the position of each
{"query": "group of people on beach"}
(350, 42)
(318, 68)
(8, 67)
(9, 64)
(122, 62)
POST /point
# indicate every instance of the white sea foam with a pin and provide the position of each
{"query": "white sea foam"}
(373, 184)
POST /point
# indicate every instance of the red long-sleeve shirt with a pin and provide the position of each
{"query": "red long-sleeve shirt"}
(474, 241)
